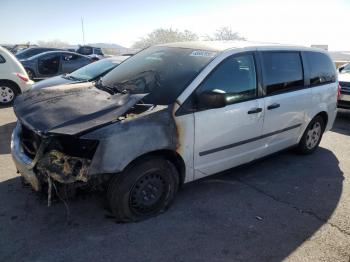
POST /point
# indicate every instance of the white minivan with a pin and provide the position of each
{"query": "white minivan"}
(172, 114)
(13, 77)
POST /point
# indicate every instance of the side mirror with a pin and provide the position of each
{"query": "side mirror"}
(212, 99)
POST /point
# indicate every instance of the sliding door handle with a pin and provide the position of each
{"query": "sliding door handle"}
(255, 110)
(273, 106)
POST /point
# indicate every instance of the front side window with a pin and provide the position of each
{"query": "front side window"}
(161, 72)
(49, 64)
(235, 77)
(321, 68)
(70, 57)
(282, 72)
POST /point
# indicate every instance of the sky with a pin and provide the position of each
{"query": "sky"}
(302, 22)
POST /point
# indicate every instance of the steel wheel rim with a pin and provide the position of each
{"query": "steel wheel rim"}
(313, 135)
(148, 193)
(6, 94)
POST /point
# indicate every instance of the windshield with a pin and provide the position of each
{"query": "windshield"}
(94, 70)
(163, 72)
(346, 69)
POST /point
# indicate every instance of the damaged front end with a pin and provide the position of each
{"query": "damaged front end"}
(63, 168)
(40, 158)
(47, 142)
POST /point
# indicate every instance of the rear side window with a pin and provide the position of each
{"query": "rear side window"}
(2, 59)
(282, 72)
(321, 68)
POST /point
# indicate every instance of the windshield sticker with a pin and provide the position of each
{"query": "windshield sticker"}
(203, 53)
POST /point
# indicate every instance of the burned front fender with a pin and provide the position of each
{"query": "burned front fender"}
(122, 142)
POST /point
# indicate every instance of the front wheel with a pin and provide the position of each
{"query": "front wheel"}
(143, 190)
(312, 136)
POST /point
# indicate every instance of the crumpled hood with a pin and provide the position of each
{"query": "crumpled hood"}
(71, 109)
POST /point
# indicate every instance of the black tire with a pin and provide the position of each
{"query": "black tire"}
(304, 146)
(143, 190)
(30, 73)
(8, 93)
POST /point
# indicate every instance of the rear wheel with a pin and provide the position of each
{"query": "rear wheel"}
(8, 92)
(312, 136)
(143, 190)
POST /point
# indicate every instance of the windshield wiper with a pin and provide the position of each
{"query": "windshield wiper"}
(99, 84)
(70, 77)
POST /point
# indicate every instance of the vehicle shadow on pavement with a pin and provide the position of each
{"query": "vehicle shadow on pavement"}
(260, 212)
(5, 137)
(342, 122)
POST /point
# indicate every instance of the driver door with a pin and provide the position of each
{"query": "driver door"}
(229, 136)
(49, 65)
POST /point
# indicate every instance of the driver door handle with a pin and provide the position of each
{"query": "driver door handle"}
(255, 110)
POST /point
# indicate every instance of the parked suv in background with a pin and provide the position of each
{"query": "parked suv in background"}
(344, 82)
(172, 114)
(13, 77)
(53, 63)
(93, 52)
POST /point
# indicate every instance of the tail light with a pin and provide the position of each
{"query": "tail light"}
(22, 77)
(339, 92)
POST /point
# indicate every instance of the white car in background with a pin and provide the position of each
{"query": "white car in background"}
(13, 77)
(344, 83)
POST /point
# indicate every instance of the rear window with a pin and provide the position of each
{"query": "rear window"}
(98, 51)
(2, 59)
(321, 68)
(85, 50)
(282, 72)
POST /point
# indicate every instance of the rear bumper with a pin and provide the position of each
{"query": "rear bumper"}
(344, 101)
(23, 163)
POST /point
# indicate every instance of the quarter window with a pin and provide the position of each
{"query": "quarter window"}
(282, 72)
(2, 59)
(235, 76)
(321, 68)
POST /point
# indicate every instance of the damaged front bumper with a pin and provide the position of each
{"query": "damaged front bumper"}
(23, 163)
(47, 162)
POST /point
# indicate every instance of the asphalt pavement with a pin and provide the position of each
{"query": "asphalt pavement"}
(285, 207)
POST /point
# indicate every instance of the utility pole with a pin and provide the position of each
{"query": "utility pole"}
(82, 29)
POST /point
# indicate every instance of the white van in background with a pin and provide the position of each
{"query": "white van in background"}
(13, 77)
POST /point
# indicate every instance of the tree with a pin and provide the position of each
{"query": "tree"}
(53, 43)
(161, 36)
(225, 34)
